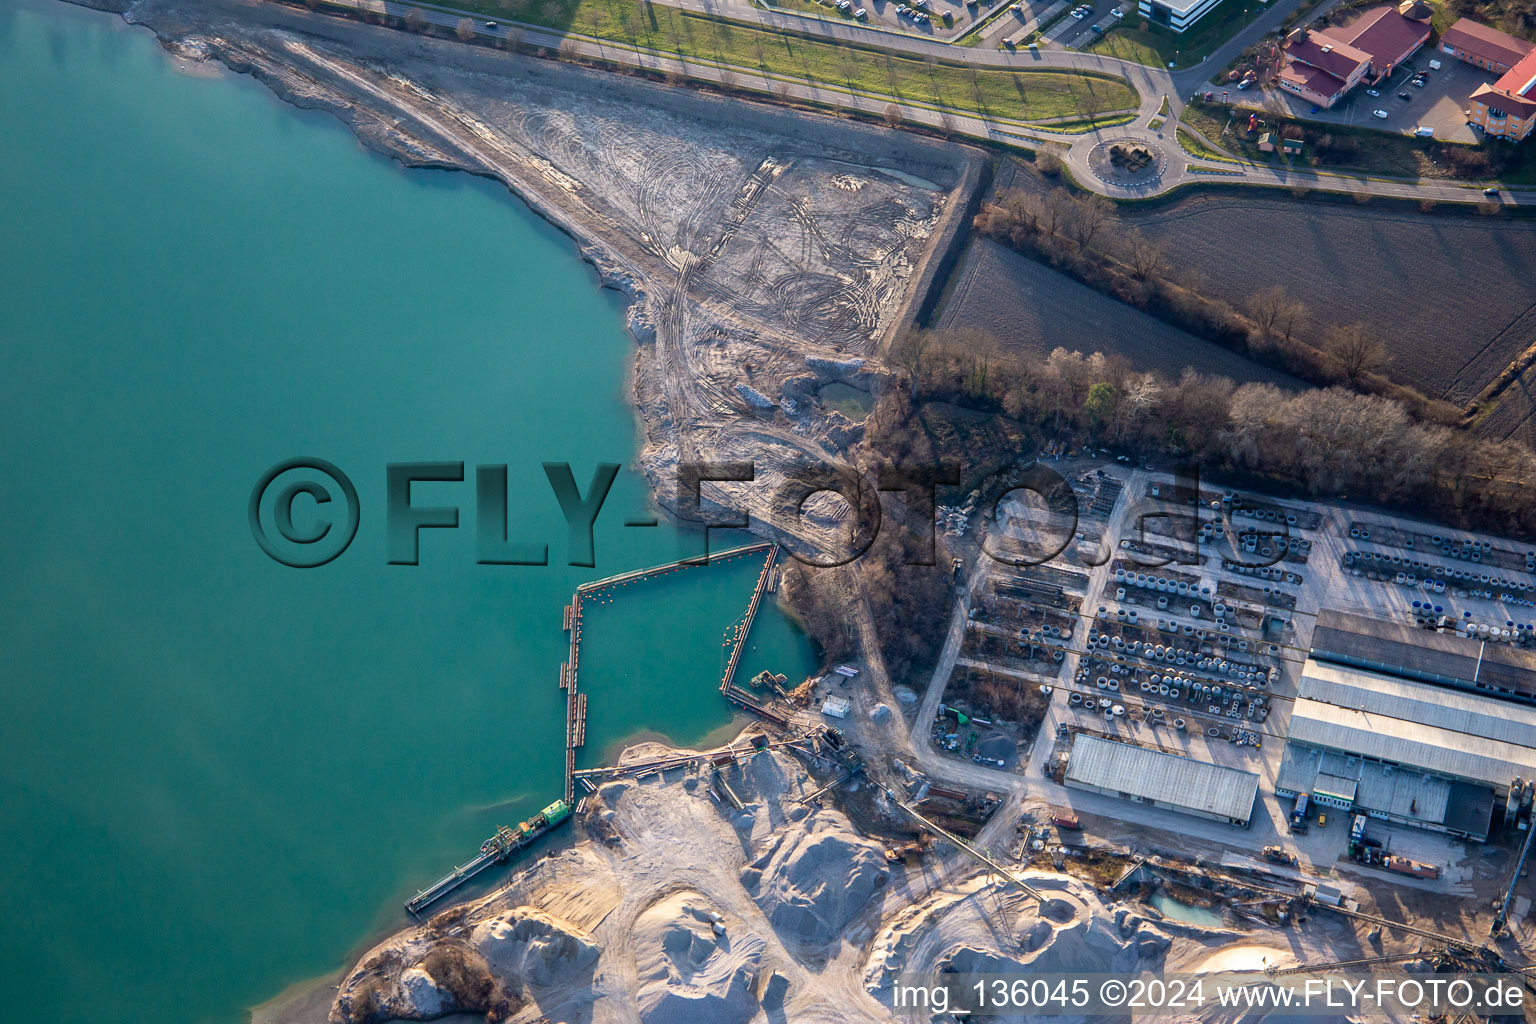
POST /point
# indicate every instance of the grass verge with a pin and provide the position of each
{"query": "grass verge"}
(1146, 43)
(998, 93)
(1196, 148)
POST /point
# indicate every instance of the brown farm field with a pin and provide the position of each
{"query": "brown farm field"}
(1452, 296)
(1031, 308)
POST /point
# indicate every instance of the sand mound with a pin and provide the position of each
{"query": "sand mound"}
(421, 989)
(980, 928)
(689, 968)
(529, 945)
(813, 882)
(1245, 957)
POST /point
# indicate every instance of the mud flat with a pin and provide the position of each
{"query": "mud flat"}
(1032, 308)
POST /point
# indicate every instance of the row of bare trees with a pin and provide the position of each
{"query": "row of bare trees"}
(1082, 236)
(1326, 441)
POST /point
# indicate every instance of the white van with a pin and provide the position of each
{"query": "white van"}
(1424, 131)
(1434, 65)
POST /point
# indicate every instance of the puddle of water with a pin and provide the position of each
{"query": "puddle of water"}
(1201, 917)
(848, 400)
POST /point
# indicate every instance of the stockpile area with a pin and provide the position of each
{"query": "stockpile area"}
(1449, 294)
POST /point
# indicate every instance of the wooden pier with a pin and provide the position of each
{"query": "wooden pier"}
(575, 702)
(636, 575)
(764, 578)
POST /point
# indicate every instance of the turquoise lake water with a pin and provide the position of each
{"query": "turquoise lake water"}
(222, 775)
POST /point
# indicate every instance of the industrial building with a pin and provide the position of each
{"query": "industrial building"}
(1405, 751)
(1164, 780)
(1477, 665)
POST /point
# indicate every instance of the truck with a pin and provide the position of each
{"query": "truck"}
(1066, 821)
(1278, 855)
(1404, 866)
(1299, 815)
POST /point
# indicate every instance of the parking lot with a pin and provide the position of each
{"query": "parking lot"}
(1439, 104)
(889, 14)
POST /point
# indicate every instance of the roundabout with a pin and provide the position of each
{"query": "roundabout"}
(1127, 161)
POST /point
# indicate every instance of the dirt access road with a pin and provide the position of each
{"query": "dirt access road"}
(1153, 85)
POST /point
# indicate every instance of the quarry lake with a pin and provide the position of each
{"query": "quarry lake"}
(223, 775)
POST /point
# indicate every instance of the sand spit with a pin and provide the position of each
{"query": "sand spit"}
(767, 252)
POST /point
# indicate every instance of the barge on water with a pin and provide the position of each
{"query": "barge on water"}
(494, 850)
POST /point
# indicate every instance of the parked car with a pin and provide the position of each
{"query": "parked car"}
(1008, 43)
(1419, 82)
(1016, 8)
(1079, 14)
(1405, 96)
(1117, 12)
(1373, 92)
(1381, 114)
(861, 14)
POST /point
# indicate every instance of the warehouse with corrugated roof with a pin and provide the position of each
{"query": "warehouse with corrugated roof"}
(1155, 777)
(1404, 750)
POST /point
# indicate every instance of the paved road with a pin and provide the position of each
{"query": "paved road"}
(1152, 85)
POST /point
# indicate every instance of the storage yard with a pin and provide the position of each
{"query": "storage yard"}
(1398, 691)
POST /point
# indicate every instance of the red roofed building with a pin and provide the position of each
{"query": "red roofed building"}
(1320, 68)
(1484, 47)
(1323, 65)
(1507, 108)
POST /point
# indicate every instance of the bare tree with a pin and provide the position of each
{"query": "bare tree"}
(849, 63)
(893, 76)
(1089, 217)
(1292, 315)
(465, 29)
(1265, 307)
(892, 114)
(1143, 254)
(415, 20)
(1055, 210)
(1356, 351)
(1049, 163)
(910, 355)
